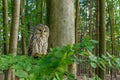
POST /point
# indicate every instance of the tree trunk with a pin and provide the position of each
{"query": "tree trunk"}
(23, 41)
(112, 34)
(5, 25)
(90, 18)
(97, 31)
(14, 34)
(62, 24)
(14, 27)
(76, 31)
(112, 22)
(37, 12)
(102, 32)
(5, 31)
(42, 6)
(29, 17)
(28, 20)
(77, 20)
(90, 33)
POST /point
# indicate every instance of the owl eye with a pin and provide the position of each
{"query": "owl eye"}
(40, 30)
(45, 31)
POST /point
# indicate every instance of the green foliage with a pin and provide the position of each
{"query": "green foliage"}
(53, 65)
(49, 67)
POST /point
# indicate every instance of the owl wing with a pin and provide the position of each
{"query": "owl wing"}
(32, 46)
(44, 48)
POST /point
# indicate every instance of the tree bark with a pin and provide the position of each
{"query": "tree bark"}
(90, 18)
(112, 22)
(5, 25)
(5, 31)
(77, 20)
(28, 19)
(62, 24)
(14, 27)
(23, 41)
(76, 31)
(14, 34)
(112, 34)
(41, 16)
(102, 32)
(97, 31)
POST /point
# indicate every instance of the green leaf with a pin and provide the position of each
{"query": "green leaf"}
(93, 58)
(93, 65)
(94, 41)
(21, 74)
(16, 67)
(70, 53)
(57, 76)
(59, 54)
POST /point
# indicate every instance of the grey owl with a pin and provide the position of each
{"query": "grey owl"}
(38, 43)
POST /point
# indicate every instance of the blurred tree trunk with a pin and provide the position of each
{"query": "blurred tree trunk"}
(112, 34)
(5, 30)
(62, 25)
(77, 20)
(90, 18)
(28, 15)
(23, 32)
(39, 11)
(90, 32)
(76, 31)
(102, 32)
(14, 34)
(97, 31)
(5, 25)
(112, 22)
(28, 20)
(42, 6)
(14, 27)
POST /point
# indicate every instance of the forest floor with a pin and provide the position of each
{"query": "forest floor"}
(78, 78)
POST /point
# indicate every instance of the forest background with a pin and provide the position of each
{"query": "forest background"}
(92, 22)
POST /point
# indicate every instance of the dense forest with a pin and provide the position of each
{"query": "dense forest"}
(83, 39)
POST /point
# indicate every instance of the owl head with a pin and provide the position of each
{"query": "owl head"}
(41, 30)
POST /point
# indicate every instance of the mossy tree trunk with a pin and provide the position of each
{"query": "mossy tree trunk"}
(62, 24)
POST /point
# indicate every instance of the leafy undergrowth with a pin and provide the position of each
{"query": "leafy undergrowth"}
(49, 67)
(53, 65)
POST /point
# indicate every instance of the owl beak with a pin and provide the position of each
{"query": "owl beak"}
(42, 35)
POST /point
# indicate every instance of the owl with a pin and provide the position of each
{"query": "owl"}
(38, 43)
